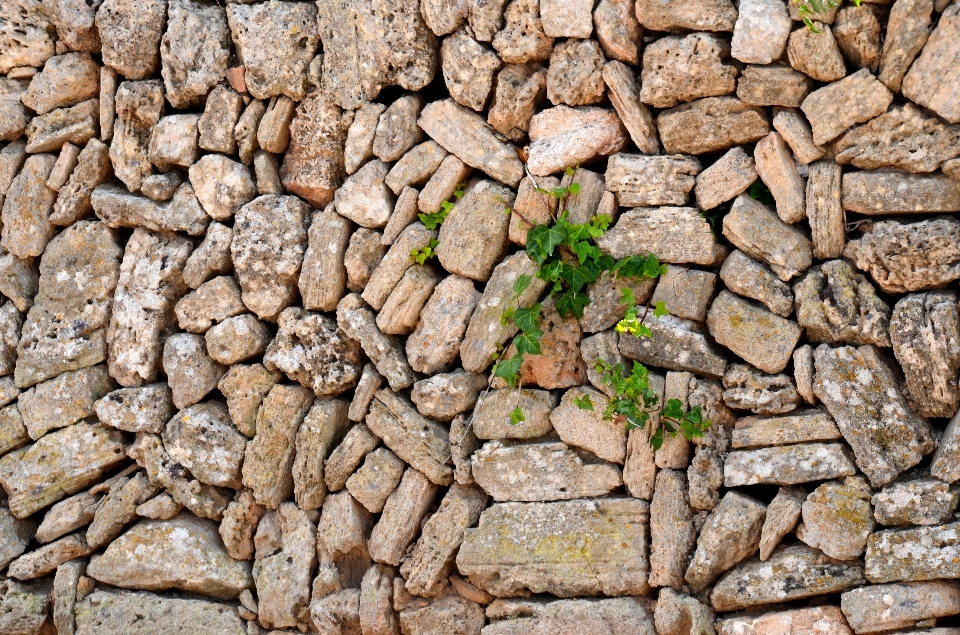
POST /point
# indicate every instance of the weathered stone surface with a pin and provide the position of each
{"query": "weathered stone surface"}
(871, 609)
(676, 235)
(245, 387)
(759, 233)
(824, 209)
(522, 38)
(443, 183)
(219, 120)
(820, 620)
(212, 302)
(686, 293)
(13, 114)
(240, 520)
(59, 464)
(268, 461)
(775, 165)
(274, 130)
(711, 124)
(728, 177)
(422, 443)
(173, 142)
(796, 572)
(24, 609)
(606, 438)
(703, 15)
(773, 85)
(783, 514)
(160, 507)
(672, 532)
(761, 32)
(246, 131)
(202, 439)
(468, 69)
(559, 364)
(836, 107)
(365, 253)
(485, 331)
(537, 547)
(414, 169)
(492, 416)
(902, 257)
(222, 185)
(131, 39)
(879, 193)
(803, 373)
(191, 373)
(434, 345)
(920, 553)
(800, 426)
(788, 465)
(184, 553)
(837, 518)
(641, 181)
(376, 479)
(237, 339)
(618, 30)
(144, 613)
(606, 306)
(746, 277)
(27, 208)
(369, 384)
(118, 508)
(76, 124)
(836, 305)
(346, 457)
(678, 614)
(15, 536)
(933, 80)
(574, 76)
(117, 207)
(730, 534)
(93, 168)
(593, 615)
(64, 81)
(401, 518)
(376, 611)
(624, 94)
(313, 166)
(26, 37)
(194, 50)
(364, 198)
(269, 240)
(676, 344)
(793, 127)
(281, 68)
(63, 400)
(358, 322)
(679, 69)
(19, 281)
(48, 557)
(562, 137)
(139, 106)
(473, 238)
(748, 389)
(861, 392)
(520, 89)
(358, 147)
(283, 578)
(323, 428)
(444, 396)
(816, 54)
(65, 585)
(755, 334)
(915, 501)
(907, 31)
(640, 469)
(323, 276)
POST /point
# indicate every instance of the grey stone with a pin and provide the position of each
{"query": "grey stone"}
(359, 142)
(202, 439)
(24, 608)
(800, 426)
(606, 306)
(63, 400)
(837, 518)
(463, 444)
(397, 130)
(677, 235)
(13, 111)
(364, 254)
(758, 336)
(283, 578)
(711, 124)
(313, 164)
(748, 389)
(593, 615)
(759, 233)
(191, 373)
(676, 344)
(521, 546)
(473, 238)
(562, 137)
(729, 176)
(641, 181)
(419, 441)
(836, 107)
(323, 428)
(212, 302)
(27, 208)
(76, 124)
(237, 339)
(435, 343)
(679, 69)
(358, 322)
(902, 257)
(794, 573)
(161, 187)
(65, 595)
(211, 257)
(887, 192)
(468, 69)
(783, 514)
(816, 54)
(173, 142)
(761, 32)
(364, 198)
(730, 534)
(491, 418)
(139, 107)
(915, 501)
(908, 28)
(746, 277)
(624, 94)
(444, 396)
(788, 465)
(686, 293)
(402, 515)
(131, 39)
(836, 305)
(194, 50)
(933, 81)
(775, 165)
(16, 536)
(117, 207)
(703, 15)
(150, 614)
(19, 281)
(915, 554)
(773, 85)
(825, 211)
(672, 532)
(871, 609)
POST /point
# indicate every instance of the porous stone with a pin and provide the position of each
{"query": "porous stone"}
(161, 187)
(730, 534)
(269, 457)
(14, 113)
(537, 551)
(140, 613)
(358, 322)
(65, 584)
(322, 429)
(641, 181)
(219, 119)
(19, 281)
(574, 76)
(194, 51)
(761, 32)
(245, 132)
(624, 94)
(291, 29)
(222, 185)
(540, 472)
(139, 107)
(932, 80)
(211, 257)
(183, 553)
(359, 141)
(16, 536)
(824, 209)
(606, 438)
(63, 400)
(237, 339)
(879, 193)
(24, 608)
(816, 54)
(364, 254)
(775, 165)
(836, 305)
(283, 578)
(788, 465)
(837, 518)
(212, 302)
(595, 615)
(435, 343)
(173, 142)
(836, 107)
(856, 385)
(752, 279)
(313, 166)
(420, 442)
(872, 609)
(794, 573)
(269, 240)
(414, 169)
(748, 389)
(117, 207)
(273, 131)
(758, 336)
(676, 344)
(27, 208)
(468, 69)
(76, 124)
(203, 439)
(559, 365)
(562, 137)
(679, 69)
(703, 15)
(245, 387)
(672, 532)
(618, 31)
(130, 40)
(402, 514)
(915, 554)
(915, 501)
(118, 508)
(606, 306)
(191, 373)
(728, 177)
(677, 235)
(800, 426)
(759, 233)
(397, 130)
(773, 85)
(908, 28)
(64, 81)
(686, 293)
(160, 507)
(827, 620)
(240, 520)
(783, 514)
(369, 384)
(711, 124)
(388, 272)
(803, 373)
(376, 479)
(473, 238)
(491, 419)
(444, 396)
(903, 257)
(522, 38)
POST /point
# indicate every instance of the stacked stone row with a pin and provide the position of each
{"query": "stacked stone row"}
(232, 402)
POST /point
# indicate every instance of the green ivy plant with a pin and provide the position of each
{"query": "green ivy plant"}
(433, 221)
(807, 9)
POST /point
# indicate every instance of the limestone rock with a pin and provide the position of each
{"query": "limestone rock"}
(283, 578)
(420, 442)
(925, 330)
(444, 396)
(240, 520)
(59, 464)
(593, 615)
(24, 609)
(783, 514)
(191, 373)
(435, 344)
(376, 479)
(856, 386)
(364, 198)
(825, 210)
(183, 553)
(933, 80)
(907, 31)
(202, 439)
(468, 70)
(776, 168)
(703, 15)
(16, 536)
(678, 614)
(686, 293)
(63, 400)
(711, 124)
(174, 142)
(759, 233)
(269, 240)
(401, 518)
(451, 614)
(836, 305)
(794, 573)
(672, 532)
(118, 508)
(606, 306)
(93, 168)
(522, 38)
(677, 235)
(800, 426)
(915, 501)
(730, 534)
(160, 507)
(519, 90)
(414, 169)
(365, 253)
(773, 85)
(624, 94)
(278, 69)
(559, 364)
(574, 76)
(748, 389)
(139, 106)
(194, 50)
(117, 207)
(837, 518)
(222, 185)
(871, 609)
(915, 554)
(587, 429)
(212, 302)
(521, 546)
(473, 238)
(888, 192)
(359, 142)
(562, 137)
(676, 344)
(313, 166)
(76, 124)
(836, 107)
(245, 387)
(641, 181)
(131, 39)
(64, 81)
(746, 277)
(65, 584)
(492, 417)
(323, 428)
(761, 32)
(728, 177)
(618, 30)
(903, 257)
(828, 620)
(140, 613)
(816, 54)
(358, 322)
(758, 336)
(27, 208)
(444, 182)
(788, 465)
(14, 113)
(678, 69)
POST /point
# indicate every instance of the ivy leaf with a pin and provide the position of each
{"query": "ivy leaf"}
(558, 192)
(583, 402)
(527, 319)
(695, 415)
(578, 277)
(574, 188)
(673, 409)
(585, 250)
(657, 439)
(521, 283)
(516, 417)
(509, 369)
(528, 343)
(660, 310)
(542, 241)
(568, 171)
(628, 298)
(601, 222)
(506, 316)
(571, 302)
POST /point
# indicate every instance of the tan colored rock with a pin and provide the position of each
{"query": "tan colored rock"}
(27, 208)
(825, 210)
(730, 534)
(711, 124)
(607, 439)
(907, 31)
(203, 440)
(871, 609)
(753, 333)
(76, 124)
(838, 306)
(173, 142)
(837, 518)
(474, 238)
(273, 131)
(219, 119)
(240, 520)
(139, 613)
(799, 426)
(376, 479)
(624, 94)
(212, 302)
(117, 207)
(728, 177)
(857, 31)
(641, 181)
(64, 81)
(401, 518)
(760, 34)
(671, 63)
(746, 277)
(703, 15)
(313, 165)
(758, 232)
(14, 113)
(822, 620)
(93, 168)
(322, 429)
(435, 343)
(776, 168)
(401, 312)
(788, 465)
(672, 531)
(574, 74)
(674, 234)
(389, 271)
(191, 372)
(364, 254)
(63, 400)
(419, 441)
(618, 30)
(369, 384)
(783, 514)
(676, 344)
(283, 579)
(562, 137)
(118, 508)
(160, 507)
(816, 54)
(346, 457)
(836, 107)
(773, 85)
(48, 557)
(492, 417)
(139, 107)
(245, 387)
(358, 322)
(933, 81)
(194, 32)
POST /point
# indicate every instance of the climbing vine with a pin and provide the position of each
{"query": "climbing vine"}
(807, 9)
(433, 220)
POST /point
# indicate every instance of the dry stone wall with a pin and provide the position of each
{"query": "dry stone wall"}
(245, 376)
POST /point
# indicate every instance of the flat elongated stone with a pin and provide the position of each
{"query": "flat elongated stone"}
(562, 137)
(729, 176)
(540, 472)
(837, 518)
(419, 441)
(320, 431)
(760, 337)
(624, 94)
(759, 233)
(783, 514)
(75, 124)
(820, 620)
(141, 613)
(117, 207)
(676, 235)
(538, 547)
(796, 131)
(872, 609)
(776, 168)
(916, 554)
(672, 531)
(119, 508)
(933, 80)
(376, 479)
(394, 264)
(492, 418)
(796, 572)
(63, 400)
(283, 578)
(59, 464)
(48, 557)
(711, 124)
(773, 85)
(799, 426)
(825, 210)
(861, 392)
(27, 207)
(907, 31)
(676, 344)
(359, 323)
(592, 615)
(444, 396)
(703, 15)
(587, 429)
(183, 553)
(401, 518)
(435, 344)
(751, 279)
(16, 536)
(788, 465)
(93, 168)
(836, 107)
(730, 534)
(915, 501)
(641, 181)
(880, 193)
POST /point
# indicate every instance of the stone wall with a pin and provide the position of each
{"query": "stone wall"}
(234, 401)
